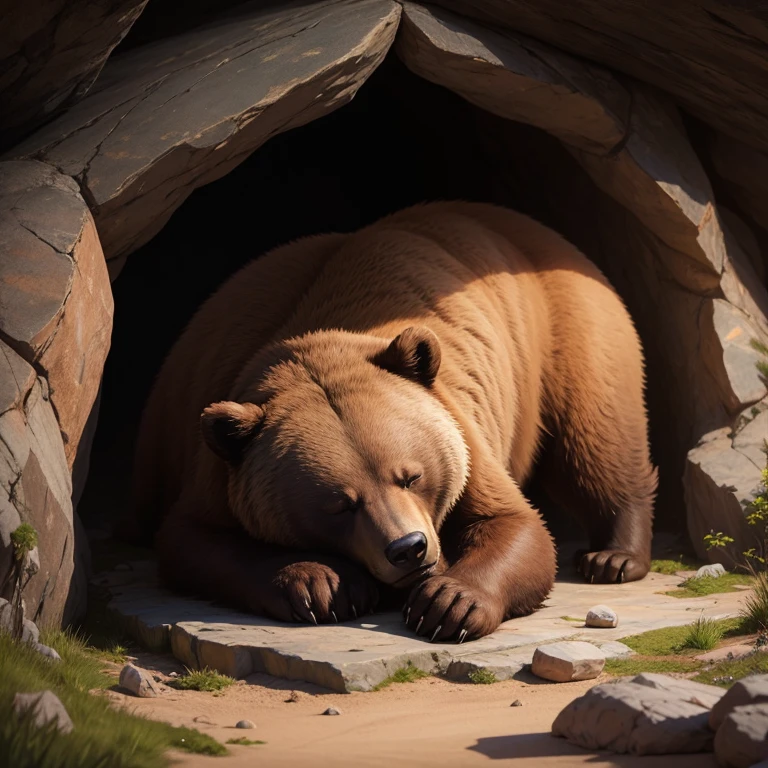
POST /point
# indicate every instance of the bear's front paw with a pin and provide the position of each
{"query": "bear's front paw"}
(612, 566)
(320, 593)
(447, 610)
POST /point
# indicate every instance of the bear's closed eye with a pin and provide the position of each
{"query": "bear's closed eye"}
(409, 480)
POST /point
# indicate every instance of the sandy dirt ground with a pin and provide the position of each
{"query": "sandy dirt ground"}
(429, 723)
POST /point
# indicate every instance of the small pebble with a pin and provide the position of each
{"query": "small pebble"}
(173, 674)
(601, 616)
(245, 724)
(713, 571)
(293, 698)
(139, 682)
(516, 703)
(332, 711)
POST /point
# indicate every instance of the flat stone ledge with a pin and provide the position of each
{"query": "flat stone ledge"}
(356, 656)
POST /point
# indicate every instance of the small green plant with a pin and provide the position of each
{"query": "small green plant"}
(243, 742)
(202, 680)
(406, 674)
(754, 613)
(717, 540)
(703, 635)
(24, 540)
(482, 677)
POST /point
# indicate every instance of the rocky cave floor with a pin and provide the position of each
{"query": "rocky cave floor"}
(439, 711)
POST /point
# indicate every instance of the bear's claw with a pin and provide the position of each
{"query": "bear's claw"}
(444, 609)
(612, 566)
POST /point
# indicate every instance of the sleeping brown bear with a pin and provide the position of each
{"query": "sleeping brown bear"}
(357, 409)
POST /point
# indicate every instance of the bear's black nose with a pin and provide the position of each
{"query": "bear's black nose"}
(407, 552)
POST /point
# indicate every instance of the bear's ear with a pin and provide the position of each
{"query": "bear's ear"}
(227, 428)
(414, 354)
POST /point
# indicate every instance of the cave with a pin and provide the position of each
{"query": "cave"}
(192, 155)
(402, 140)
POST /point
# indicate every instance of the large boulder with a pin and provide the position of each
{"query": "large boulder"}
(710, 57)
(655, 716)
(722, 477)
(51, 51)
(56, 323)
(167, 118)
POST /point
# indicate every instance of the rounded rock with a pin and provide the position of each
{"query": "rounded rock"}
(602, 616)
(244, 724)
(332, 711)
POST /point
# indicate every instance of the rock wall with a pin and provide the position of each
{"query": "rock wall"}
(51, 52)
(55, 331)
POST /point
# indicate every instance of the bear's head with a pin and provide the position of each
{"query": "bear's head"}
(336, 442)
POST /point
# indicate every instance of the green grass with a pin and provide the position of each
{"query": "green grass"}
(708, 585)
(103, 737)
(703, 635)
(672, 640)
(719, 674)
(637, 664)
(202, 680)
(754, 614)
(673, 566)
(407, 674)
(243, 742)
(482, 677)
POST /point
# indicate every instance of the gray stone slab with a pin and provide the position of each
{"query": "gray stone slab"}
(358, 655)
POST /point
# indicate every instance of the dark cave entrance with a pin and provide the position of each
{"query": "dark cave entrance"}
(401, 141)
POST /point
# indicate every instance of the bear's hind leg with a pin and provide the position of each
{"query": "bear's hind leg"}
(598, 469)
(597, 466)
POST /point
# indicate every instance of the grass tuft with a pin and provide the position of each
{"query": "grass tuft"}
(703, 635)
(103, 736)
(754, 614)
(202, 680)
(709, 585)
(482, 677)
(635, 665)
(673, 566)
(406, 674)
(726, 672)
(243, 742)
(671, 640)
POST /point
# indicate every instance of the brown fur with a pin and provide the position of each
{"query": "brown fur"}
(318, 407)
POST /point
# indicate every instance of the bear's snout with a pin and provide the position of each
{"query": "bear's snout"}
(407, 552)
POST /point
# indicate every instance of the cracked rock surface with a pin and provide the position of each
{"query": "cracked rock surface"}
(168, 117)
(54, 337)
(54, 52)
